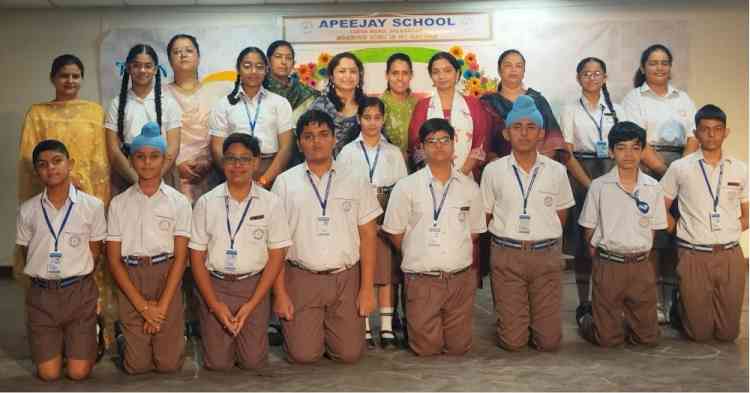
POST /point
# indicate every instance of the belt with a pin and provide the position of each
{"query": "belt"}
(668, 148)
(707, 247)
(322, 272)
(267, 156)
(588, 155)
(438, 273)
(132, 260)
(528, 245)
(622, 258)
(232, 277)
(56, 284)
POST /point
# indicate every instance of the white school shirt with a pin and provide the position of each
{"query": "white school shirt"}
(139, 111)
(684, 181)
(275, 118)
(619, 225)
(265, 228)
(352, 202)
(85, 224)
(390, 166)
(410, 212)
(146, 226)
(668, 120)
(503, 198)
(579, 130)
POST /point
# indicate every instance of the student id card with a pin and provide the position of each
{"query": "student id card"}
(53, 265)
(715, 220)
(323, 226)
(230, 261)
(601, 149)
(434, 236)
(524, 223)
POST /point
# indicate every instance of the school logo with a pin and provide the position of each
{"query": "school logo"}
(644, 222)
(164, 225)
(347, 206)
(74, 241)
(258, 234)
(548, 201)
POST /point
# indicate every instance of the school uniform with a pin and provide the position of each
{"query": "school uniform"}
(323, 274)
(711, 267)
(61, 303)
(624, 280)
(525, 256)
(437, 221)
(264, 116)
(383, 166)
(588, 131)
(235, 262)
(145, 227)
(139, 111)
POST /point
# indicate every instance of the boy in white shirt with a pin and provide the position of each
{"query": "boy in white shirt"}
(60, 233)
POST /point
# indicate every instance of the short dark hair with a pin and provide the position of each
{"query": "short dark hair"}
(626, 131)
(368, 102)
(249, 141)
(64, 60)
(313, 116)
(712, 112)
(434, 125)
(48, 145)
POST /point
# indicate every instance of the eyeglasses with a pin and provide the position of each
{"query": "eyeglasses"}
(592, 75)
(443, 140)
(232, 160)
(257, 67)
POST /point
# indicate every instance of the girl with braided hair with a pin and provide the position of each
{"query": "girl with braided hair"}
(586, 122)
(139, 102)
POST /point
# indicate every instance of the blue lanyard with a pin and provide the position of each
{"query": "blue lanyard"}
(714, 199)
(601, 118)
(435, 208)
(370, 167)
(525, 194)
(56, 236)
(253, 120)
(233, 235)
(323, 202)
(641, 205)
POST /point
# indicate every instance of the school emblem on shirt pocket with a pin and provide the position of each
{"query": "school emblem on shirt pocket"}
(548, 201)
(74, 240)
(258, 234)
(347, 206)
(164, 225)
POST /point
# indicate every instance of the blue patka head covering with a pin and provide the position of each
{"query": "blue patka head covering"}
(524, 107)
(150, 136)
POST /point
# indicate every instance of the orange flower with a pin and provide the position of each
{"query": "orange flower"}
(324, 58)
(474, 83)
(303, 71)
(457, 52)
(470, 58)
(475, 91)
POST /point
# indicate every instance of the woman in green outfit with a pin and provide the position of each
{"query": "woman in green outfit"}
(398, 100)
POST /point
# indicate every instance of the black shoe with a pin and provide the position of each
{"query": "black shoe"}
(192, 329)
(119, 346)
(275, 337)
(388, 343)
(675, 319)
(369, 341)
(396, 321)
(583, 309)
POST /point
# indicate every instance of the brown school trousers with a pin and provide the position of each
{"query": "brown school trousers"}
(249, 348)
(326, 318)
(526, 288)
(440, 312)
(63, 319)
(623, 290)
(712, 290)
(162, 351)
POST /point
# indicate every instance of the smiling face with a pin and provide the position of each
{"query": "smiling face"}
(658, 68)
(346, 75)
(147, 162)
(67, 82)
(252, 71)
(239, 164)
(592, 77)
(371, 121)
(142, 70)
(53, 167)
(443, 75)
(184, 56)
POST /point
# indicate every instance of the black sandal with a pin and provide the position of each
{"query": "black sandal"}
(370, 342)
(388, 343)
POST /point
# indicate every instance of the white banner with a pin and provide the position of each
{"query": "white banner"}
(388, 28)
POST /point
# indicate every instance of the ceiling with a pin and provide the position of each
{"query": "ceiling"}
(139, 3)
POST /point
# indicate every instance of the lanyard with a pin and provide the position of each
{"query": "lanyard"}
(233, 235)
(253, 120)
(641, 205)
(323, 202)
(56, 236)
(435, 208)
(601, 118)
(714, 199)
(525, 194)
(370, 167)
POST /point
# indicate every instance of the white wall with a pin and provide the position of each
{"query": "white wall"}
(30, 39)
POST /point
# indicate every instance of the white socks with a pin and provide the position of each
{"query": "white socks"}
(386, 319)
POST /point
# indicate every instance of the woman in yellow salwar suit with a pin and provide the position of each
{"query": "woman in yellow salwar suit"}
(79, 124)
